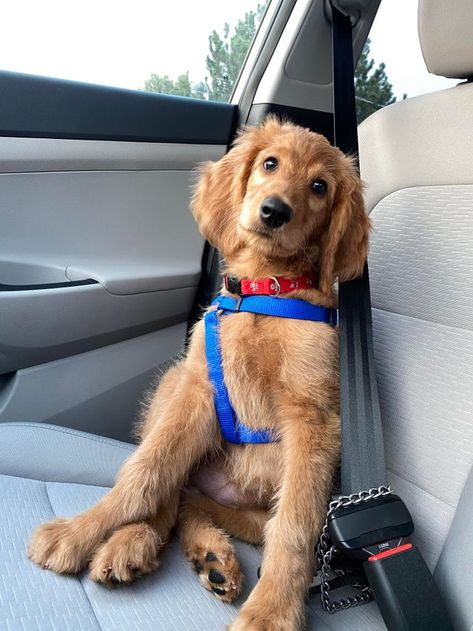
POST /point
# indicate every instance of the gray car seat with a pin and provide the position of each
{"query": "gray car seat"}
(48, 471)
(416, 159)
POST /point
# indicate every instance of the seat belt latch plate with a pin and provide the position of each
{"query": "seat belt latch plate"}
(370, 528)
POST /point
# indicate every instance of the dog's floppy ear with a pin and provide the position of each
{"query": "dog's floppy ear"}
(221, 189)
(345, 244)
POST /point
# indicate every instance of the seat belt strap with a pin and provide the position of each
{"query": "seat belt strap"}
(369, 523)
(362, 458)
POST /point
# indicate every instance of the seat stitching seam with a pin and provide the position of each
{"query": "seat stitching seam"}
(416, 186)
(90, 602)
(77, 434)
(411, 317)
(20, 477)
(77, 578)
(49, 499)
(421, 488)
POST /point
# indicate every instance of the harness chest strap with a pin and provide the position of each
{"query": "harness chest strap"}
(234, 431)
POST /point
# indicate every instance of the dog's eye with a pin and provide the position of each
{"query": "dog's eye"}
(319, 187)
(270, 164)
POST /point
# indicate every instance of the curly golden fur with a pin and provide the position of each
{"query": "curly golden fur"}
(280, 374)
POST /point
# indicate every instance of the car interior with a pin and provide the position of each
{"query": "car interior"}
(103, 270)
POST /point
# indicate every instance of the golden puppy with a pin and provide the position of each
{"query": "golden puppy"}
(280, 373)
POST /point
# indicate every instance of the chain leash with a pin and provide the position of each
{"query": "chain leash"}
(326, 551)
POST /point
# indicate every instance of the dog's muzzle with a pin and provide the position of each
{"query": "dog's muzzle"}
(274, 212)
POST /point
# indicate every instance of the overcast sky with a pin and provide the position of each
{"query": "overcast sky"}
(112, 42)
(120, 43)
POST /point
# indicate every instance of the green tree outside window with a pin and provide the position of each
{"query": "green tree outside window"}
(372, 87)
(227, 53)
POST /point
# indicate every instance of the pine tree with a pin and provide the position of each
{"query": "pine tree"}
(165, 85)
(372, 88)
(224, 61)
(227, 54)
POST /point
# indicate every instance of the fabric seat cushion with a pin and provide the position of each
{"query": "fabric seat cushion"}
(48, 471)
(420, 199)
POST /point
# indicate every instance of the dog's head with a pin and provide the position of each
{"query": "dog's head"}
(284, 193)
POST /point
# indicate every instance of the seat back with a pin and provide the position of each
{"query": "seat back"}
(416, 158)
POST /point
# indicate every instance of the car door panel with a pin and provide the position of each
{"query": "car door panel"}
(25, 154)
(97, 391)
(104, 220)
(100, 258)
(41, 325)
(43, 107)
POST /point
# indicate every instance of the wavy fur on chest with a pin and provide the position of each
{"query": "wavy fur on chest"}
(270, 365)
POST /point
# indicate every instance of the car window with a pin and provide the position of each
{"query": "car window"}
(391, 66)
(184, 48)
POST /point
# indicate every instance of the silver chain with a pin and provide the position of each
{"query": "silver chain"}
(326, 551)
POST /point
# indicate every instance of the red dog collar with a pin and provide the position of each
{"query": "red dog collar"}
(271, 286)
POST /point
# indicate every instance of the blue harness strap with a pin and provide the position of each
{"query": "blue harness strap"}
(234, 431)
(293, 308)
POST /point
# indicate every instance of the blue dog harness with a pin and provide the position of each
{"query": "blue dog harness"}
(232, 430)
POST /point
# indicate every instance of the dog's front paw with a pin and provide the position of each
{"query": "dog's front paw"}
(60, 546)
(131, 551)
(253, 618)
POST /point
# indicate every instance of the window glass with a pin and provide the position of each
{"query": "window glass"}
(391, 66)
(183, 47)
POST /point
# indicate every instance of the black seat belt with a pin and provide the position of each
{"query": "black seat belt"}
(362, 460)
(368, 526)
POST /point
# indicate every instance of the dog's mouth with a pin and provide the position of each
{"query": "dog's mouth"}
(270, 241)
(260, 230)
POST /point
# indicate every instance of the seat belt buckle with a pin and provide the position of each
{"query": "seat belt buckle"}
(374, 531)
(370, 528)
(405, 591)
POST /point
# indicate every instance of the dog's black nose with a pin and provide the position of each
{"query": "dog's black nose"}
(274, 212)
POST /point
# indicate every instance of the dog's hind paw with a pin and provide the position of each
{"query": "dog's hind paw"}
(218, 572)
